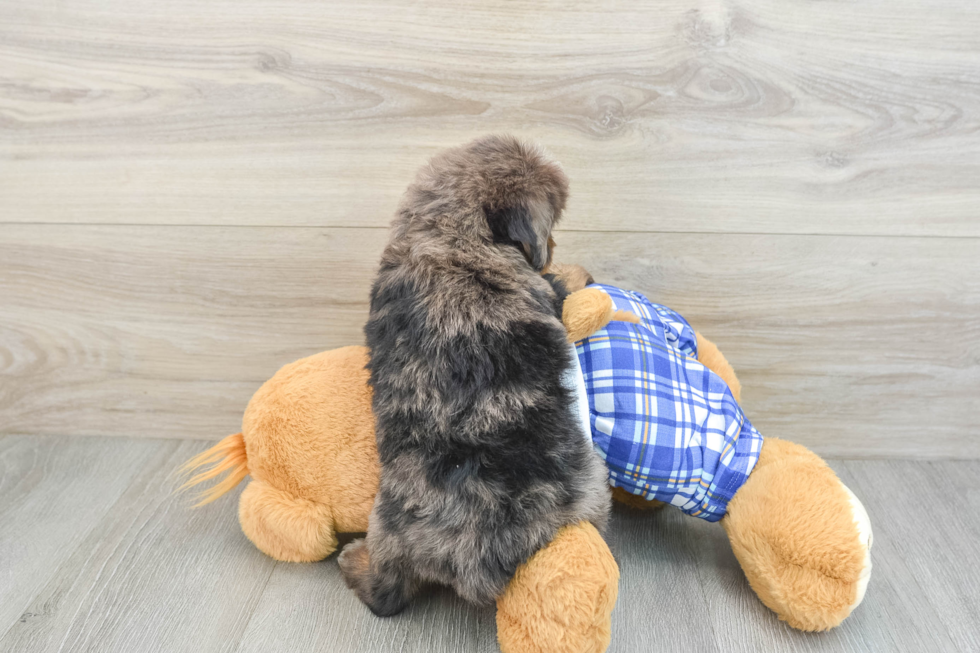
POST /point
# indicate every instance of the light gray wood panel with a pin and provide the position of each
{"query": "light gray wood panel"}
(854, 346)
(168, 332)
(729, 610)
(307, 607)
(685, 115)
(152, 575)
(922, 517)
(54, 492)
(891, 617)
(657, 567)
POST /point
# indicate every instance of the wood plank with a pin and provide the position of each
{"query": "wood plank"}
(142, 572)
(854, 346)
(658, 567)
(53, 494)
(307, 607)
(889, 619)
(894, 616)
(708, 116)
(152, 575)
(929, 539)
(678, 568)
(166, 332)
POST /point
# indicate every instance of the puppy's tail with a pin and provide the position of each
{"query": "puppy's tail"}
(228, 454)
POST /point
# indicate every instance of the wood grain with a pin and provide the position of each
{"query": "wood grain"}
(681, 116)
(308, 608)
(122, 564)
(717, 600)
(152, 575)
(927, 508)
(657, 567)
(854, 346)
(54, 492)
(892, 616)
(167, 332)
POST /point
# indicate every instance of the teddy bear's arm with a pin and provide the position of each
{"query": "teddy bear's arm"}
(711, 357)
(575, 277)
(588, 310)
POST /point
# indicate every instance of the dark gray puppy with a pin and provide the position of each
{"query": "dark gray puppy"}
(482, 459)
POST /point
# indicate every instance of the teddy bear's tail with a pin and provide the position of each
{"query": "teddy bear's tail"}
(229, 454)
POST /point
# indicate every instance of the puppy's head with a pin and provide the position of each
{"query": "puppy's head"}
(510, 191)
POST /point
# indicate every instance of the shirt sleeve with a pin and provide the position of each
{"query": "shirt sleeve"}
(679, 333)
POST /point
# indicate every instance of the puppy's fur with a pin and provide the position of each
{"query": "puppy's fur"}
(482, 460)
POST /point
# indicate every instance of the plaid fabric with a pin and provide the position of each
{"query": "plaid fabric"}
(667, 426)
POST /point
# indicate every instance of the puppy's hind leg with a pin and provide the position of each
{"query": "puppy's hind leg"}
(383, 586)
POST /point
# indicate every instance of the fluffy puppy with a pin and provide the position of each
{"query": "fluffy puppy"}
(482, 459)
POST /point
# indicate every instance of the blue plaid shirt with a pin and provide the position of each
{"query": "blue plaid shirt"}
(667, 426)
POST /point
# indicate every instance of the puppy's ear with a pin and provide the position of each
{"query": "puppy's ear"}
(526, 227)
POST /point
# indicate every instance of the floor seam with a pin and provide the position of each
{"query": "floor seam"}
(258, 600)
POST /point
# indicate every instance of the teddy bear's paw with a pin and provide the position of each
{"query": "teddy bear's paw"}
(802, 538)
(561, 599)
(286, 527)
(866, 538)
(585, 312)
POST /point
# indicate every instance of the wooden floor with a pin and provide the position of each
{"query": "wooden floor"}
(97, 554)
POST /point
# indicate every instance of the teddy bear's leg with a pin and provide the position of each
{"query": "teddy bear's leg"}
(635, 501)
(561, 599)
(586, 311)
(286, 527)
(802, 538)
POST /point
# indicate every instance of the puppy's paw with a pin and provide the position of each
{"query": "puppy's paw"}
(385, 593)
(354, 563)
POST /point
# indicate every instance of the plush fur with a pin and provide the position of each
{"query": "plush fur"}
(308, 443)
(589, 310)
(557, 602)
(793, 531)
(482, 460)
(306, 486)
(575, 277)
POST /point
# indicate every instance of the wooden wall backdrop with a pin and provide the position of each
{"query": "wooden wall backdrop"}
(195, 193)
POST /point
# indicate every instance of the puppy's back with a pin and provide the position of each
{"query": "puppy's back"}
(482, 459)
